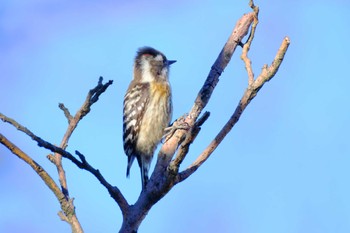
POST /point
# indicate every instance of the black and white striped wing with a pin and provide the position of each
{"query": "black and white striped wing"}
(135, 102)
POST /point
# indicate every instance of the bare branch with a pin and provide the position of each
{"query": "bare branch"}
(246, 47)
(241, 29)
(269, 72)
(66, 112)
(91, 98)
(66, 205)
(36, 167)
(252, 90)
(41, 142)
(113, 191)
(184, 147)
(253, 87)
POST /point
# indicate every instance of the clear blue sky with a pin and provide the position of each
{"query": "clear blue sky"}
(283, 168)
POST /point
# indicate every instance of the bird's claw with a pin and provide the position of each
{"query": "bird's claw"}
(180, 123)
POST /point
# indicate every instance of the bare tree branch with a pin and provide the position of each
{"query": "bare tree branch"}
(70, 216)
(184, 147)
(252, 90)
(83, 164)
(66, 112)
(241, 29)
(91, 98)
(66, 205)
(246, 46)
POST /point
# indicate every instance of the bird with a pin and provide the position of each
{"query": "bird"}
(147, 109)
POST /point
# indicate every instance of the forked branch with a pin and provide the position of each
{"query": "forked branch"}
(67, 206)
(91, 98)
(254, 86)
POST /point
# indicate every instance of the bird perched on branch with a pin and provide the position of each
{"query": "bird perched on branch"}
(147, 108)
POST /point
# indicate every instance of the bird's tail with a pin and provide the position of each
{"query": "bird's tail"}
(144, 164)
(130, 161)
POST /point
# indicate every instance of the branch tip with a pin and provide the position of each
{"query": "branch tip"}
(100, 80)
(203, 119)
(66, 112)
(254, 7)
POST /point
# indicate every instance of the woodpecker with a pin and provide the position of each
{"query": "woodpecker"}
(147, 108)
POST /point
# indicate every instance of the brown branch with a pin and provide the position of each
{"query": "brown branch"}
(252, 90)
(66, 205)
(59, 152)
(91, 98)
(268, 72)
(40, 141)
(83, 164)
(66, 112)
(184, 147)
(246, 46)
(241, 29)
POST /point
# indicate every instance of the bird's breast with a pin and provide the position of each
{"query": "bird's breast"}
(157, 116)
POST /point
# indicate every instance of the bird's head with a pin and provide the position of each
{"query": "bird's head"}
(151, 65)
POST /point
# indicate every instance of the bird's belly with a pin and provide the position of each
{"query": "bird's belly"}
(156, 118)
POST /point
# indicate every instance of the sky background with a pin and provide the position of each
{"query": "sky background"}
(283, 168)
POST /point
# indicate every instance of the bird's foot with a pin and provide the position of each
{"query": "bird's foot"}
(180, 123)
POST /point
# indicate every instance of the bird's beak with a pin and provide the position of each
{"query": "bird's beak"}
(171, 62)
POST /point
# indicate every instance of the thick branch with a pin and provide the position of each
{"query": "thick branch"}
(252, 90)
(241, 29)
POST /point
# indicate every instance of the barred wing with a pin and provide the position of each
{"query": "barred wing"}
(135, 102)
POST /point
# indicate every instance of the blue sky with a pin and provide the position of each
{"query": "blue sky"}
(283, 168)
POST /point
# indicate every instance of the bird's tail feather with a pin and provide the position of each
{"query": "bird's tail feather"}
(144, 167)
(130, 161)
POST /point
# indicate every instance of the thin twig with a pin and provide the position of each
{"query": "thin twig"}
(66, 112)
(246, 47)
